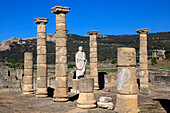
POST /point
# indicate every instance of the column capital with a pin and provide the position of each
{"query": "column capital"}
(41, 20)
(93, 32)
(60, 9)
(143, 31)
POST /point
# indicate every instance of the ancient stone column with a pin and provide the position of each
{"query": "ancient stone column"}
(60, 93)
(86, 96)
(41, 90)
(93, 57)
(127, 97)
(144, 84)
(28, 73)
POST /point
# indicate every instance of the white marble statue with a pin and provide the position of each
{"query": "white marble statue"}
(80, 63)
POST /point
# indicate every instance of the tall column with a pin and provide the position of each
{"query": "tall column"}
(28, 73)
(144, 84)
(60, 93)
(41, 90)
(86, 96)
(127, 97)
(93, 57)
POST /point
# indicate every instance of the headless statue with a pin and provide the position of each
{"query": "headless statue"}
(80, 63)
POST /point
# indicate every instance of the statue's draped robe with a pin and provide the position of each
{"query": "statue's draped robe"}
(80, 63)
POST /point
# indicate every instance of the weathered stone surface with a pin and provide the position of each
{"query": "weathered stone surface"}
(28, 80)
(126, 80)
(41, 50)
(61, 82)
(126, 56)
(41, 81)
(107, 105)
(143, 58)
(143, 30)
(61, 92)
(60, 9)
(42, 70)
(41, 59)
(60, 18)
(93, 60)
(143, 50)
(41, 36)
(41, 28)
(3, 73)
(28, 56)
(28, 72)
(41, 42)
(143, 44)
(93, 45)
(19, 73)
(61, 70)
(143, 66)
(93, 55)
(61, 26)
(162, 82)
(105, 99)
(75, 84)
(28, 64)
(61, 51)
(93, 32)
(60, 35)
(92, 50)
(41, 20)
(86, 100)
(127, 104)
(86, 85)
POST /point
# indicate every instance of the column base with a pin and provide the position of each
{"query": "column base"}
(41, 92)
(127, 104)
(27, 93)
(58, 99)
(86, 101)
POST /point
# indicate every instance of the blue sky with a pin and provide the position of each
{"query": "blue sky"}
(112, 17)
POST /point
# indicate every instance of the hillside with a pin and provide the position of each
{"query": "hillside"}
(14, 48)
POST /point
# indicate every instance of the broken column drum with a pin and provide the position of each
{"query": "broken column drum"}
(86, 95)
(60, 93)
(127, 97)
(41, 90)
(28, 73)
(93, 57)
(144, 84)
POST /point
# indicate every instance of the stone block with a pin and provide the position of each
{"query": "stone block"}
(41, 59)
(61, 42)
(75, 84)
(28, 56)
(41, 36)
(61, 93)
(28, 88)
(93, 55)
(143, 72)
(126, 80)
(41, 28)
(93, 50)
(28, 72)
(28, 80)
(61, 70)
(127, 104)
(28, 64)
(143, 44)
(60, 18)
(41, 91)
(143, 37)
(60, 27)
(41, 50)
(143, 50)
(143, 58)
(105, 99)
(93, 60)
(61, 59)
(41, 82)
(126, 56)
(143, 66)
(61, 82)
(41, 42)
(42, 70)
(86, 85)
(93, 44)
(60, 34)
(61, 51)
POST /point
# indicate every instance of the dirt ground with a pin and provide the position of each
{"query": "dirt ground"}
(16, 102)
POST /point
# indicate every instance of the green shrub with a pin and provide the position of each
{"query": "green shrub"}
(154, 61)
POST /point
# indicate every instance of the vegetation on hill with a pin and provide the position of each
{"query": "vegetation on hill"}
(107, 46)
